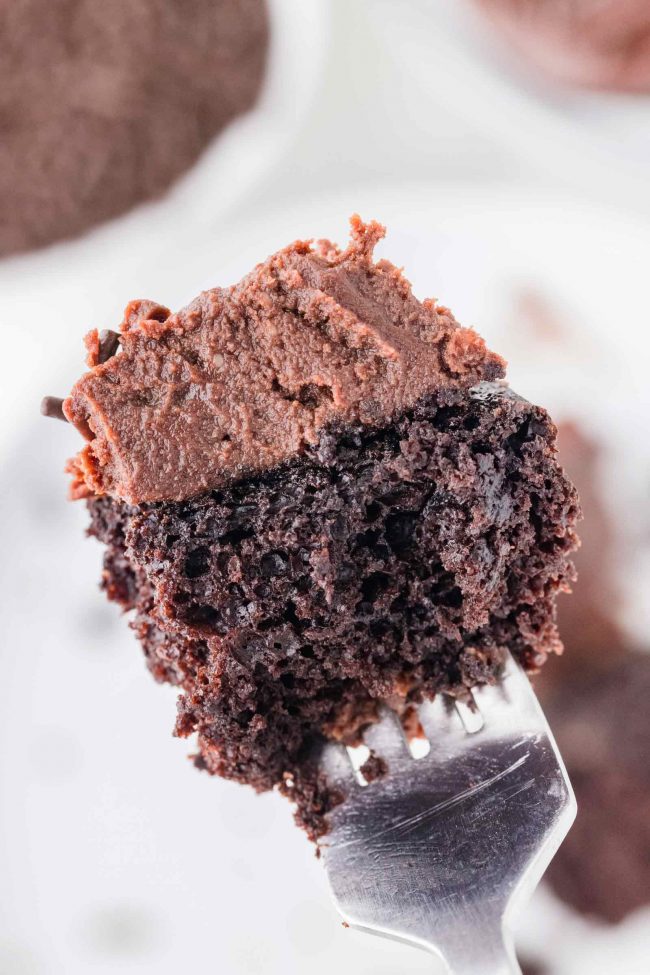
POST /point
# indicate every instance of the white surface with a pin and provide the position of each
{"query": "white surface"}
(244, 153)
(590, 139)
(115, 854)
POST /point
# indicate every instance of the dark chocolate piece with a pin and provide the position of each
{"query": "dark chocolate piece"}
(109, 343)
(52, 406)
(374, 768)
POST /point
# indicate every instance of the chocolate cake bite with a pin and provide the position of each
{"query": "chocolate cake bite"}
(316, 494)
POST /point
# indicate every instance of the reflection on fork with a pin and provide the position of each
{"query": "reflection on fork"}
(440, 851)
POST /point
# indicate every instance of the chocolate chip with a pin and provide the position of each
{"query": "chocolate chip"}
(53, 406)
(109, 343)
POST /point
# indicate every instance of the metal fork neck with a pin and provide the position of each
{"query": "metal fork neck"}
(482, 951)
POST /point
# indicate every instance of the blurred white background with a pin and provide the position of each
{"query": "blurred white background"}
(115, 854)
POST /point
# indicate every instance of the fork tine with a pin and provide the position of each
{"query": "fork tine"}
(439, 852)
(386, 737)
(441, 720)
(472, 718)
(338, 769)
(489, 697)
(512, 699)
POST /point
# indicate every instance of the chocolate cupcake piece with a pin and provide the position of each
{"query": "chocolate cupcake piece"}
(316, 496)
(591, 43)
(105, 105)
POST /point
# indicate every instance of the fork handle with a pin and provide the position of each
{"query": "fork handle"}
(481, 951)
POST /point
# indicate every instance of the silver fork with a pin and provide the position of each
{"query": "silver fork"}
(441, 851)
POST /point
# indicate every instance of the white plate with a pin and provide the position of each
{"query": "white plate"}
(247, 150)
(116, 855)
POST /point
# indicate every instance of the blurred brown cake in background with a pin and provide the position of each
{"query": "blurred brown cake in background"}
(602, 727)
(588, 621)
(595, 697)
(103, 106)
(591, 43)
(595, 693)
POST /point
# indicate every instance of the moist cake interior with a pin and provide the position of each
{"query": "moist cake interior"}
(381, 565)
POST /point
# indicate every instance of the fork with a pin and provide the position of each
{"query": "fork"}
(441, 851)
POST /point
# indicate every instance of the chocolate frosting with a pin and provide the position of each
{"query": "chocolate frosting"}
(243, 378)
